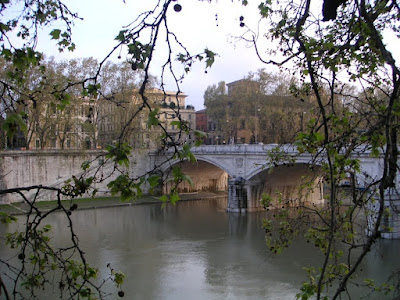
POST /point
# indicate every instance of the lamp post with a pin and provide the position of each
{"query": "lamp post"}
(256, 124)
(301, 120)
(230, 128)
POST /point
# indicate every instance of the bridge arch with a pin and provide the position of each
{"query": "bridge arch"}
(205, 176)
(289, 184)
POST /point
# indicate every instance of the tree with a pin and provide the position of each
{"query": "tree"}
(19, 35)
(350, 47)
(212, 93)
(259, 108)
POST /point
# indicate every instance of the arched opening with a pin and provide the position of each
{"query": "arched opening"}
(290, 184)
(205, 177)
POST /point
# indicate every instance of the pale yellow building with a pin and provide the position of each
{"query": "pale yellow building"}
(171, 109)
(95, 123)
(73, 127)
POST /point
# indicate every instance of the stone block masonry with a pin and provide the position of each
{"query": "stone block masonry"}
(53, 168)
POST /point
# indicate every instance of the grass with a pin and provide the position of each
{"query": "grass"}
(90, 203)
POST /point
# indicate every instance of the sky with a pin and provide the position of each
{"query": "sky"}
(195, 25)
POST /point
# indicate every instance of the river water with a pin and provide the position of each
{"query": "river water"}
(196, 250)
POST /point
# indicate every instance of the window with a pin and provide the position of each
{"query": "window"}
(53, 143)
(53, 129)
(190, 116)
(68, 143)
(37, 144)
(88, 143)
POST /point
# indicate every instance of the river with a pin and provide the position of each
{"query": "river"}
(196, 250)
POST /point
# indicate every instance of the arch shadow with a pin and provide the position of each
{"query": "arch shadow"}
(205, 176)
(286, 185)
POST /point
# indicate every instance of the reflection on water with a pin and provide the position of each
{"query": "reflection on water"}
(195, 250)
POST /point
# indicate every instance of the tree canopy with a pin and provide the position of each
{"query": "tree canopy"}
(261, 103)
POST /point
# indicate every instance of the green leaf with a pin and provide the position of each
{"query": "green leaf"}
(164, 198)
(121, 36)
(14, 123)
(174, 198)
(55, 34)
(6, 218)
(119, 153)
(65, 100)
(4, 27)
(85, 165)
(153, 120)
(210, 58)
(119, 278)
(153, 181)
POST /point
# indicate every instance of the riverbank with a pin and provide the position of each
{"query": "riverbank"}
(20, 208)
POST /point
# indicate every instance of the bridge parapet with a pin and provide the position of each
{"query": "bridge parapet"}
(246, 160)
(243, 148)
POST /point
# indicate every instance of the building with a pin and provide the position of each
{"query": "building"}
(201, 120)
(207, 125)
(247, 115)
(50, 127)
(177, 119)
(89, 123)
(243, 87)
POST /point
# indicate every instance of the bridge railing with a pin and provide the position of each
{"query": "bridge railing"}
(242, 148)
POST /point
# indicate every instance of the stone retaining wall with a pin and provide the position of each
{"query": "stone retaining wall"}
(54, 167)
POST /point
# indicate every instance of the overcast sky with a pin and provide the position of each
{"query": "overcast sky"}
(195, 25)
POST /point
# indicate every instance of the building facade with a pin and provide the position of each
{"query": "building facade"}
(177, 119)
(89, 123)
(50, 127)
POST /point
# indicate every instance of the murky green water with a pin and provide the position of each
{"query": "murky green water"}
(196, 250)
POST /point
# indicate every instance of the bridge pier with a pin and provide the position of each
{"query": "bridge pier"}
(237, 195)
(244, 195)
(390, 224)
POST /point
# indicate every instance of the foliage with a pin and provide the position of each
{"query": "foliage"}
(260, 104)
(351, 47)
(56, 110)
(38, 92)
(43, 264)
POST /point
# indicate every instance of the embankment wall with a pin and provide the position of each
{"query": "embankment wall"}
(53, 167)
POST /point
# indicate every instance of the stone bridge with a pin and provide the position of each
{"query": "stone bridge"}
(242, 170)
(246, 172)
